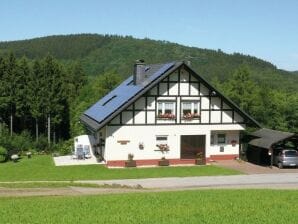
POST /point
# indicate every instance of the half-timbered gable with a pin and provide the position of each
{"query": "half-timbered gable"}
(180, 98)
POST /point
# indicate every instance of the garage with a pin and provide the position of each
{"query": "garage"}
(270, 147)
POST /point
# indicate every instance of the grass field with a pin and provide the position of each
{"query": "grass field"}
(43, 168)
(205, 206)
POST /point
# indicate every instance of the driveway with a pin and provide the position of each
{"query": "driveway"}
(250, 168)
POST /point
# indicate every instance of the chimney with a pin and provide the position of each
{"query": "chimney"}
(139, 71)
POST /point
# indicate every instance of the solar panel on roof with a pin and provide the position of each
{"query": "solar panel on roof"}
(109, 100)
(102, 109)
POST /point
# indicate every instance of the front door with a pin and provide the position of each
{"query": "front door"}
(191, 145)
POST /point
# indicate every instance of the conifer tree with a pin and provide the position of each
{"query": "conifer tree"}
(10, 81)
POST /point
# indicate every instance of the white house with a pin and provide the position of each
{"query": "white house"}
(165, 110)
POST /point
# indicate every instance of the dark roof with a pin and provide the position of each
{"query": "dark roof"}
(118, 99)
(121, 97)
(267, 137)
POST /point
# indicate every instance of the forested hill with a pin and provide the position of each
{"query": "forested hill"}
(102, 53)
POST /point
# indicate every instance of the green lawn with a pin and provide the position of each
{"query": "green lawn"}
(205, 206)
(43, 168)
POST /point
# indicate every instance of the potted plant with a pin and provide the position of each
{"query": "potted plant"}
(130, 162)
(163, 162)
(163, 147)
(233, 142)
(200, 159)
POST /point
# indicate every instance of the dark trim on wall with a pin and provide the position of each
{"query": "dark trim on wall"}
(155, 114)
(179, 80)
(146, 108)
(138, 110)
(189, 87)
(221, 109)
(166, 124)
(209, 106)
(133, 113)
(176, 112)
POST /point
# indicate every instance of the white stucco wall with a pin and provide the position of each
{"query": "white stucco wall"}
(147, 136)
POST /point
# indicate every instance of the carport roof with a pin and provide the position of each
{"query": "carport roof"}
(267, 137)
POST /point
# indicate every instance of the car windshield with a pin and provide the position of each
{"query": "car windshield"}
(291, 153)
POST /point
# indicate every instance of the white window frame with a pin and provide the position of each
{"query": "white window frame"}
(163, 107)
(163, 139)
(214, 138)
(195, 105)
(225, 138)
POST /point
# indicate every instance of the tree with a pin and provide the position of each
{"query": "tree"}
(35, 95)
(243, 91)
(10, 79)
(21, 93)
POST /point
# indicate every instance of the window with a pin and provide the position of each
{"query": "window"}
(221, 138)
(190, 109)
(166, 110)
(161, 139)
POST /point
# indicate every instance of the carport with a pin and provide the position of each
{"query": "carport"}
(267, 141)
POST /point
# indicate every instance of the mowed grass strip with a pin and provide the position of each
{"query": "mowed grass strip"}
(205, 206)
(42, 168)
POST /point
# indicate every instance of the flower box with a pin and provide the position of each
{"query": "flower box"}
(167, 116)
(130, 163)
(190, 116)
(164, 162)
(200, 162)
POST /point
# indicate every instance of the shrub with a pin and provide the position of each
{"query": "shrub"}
(65, 147)
(3, 154)
(42, 144)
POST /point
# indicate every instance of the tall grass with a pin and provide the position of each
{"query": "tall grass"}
(205, 206)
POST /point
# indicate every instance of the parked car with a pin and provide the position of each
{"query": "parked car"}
(286, 157)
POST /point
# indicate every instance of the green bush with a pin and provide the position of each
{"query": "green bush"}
(42, 144)
(3, 154)
(65, 147)
(20, 142)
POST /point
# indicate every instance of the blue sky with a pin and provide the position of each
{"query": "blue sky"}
(267, 29)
